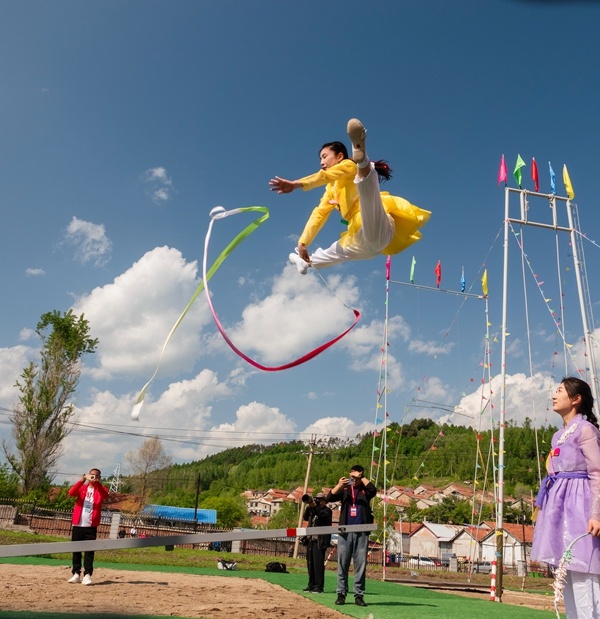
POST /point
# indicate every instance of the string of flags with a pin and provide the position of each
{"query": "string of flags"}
(518, 175)
(438, 276)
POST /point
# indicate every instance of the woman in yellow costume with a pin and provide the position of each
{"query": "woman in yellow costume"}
(378, 223)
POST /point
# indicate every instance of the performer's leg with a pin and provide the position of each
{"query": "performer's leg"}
(335, 254)
(377, 226)
(377, 230)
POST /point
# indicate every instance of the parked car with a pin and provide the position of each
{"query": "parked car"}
(483, 567)
(421, 562)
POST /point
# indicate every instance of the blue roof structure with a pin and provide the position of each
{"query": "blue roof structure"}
(166, 512)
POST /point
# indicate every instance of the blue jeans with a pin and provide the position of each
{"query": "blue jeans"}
(352, 547)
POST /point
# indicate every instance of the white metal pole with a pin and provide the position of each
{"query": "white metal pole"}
(500, 494)
(588, 336)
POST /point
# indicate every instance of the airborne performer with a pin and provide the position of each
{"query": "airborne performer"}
(378, 223)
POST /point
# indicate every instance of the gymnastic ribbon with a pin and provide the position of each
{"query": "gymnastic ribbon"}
(216, 215)
(219, 213)
(249, 229)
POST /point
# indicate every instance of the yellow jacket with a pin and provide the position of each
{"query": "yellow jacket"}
(341, 194)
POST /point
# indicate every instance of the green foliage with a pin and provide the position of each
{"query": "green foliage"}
(230, 512)
(40, 421)
(9, 482)
(451, 510)
(458, 455)
(286, 517)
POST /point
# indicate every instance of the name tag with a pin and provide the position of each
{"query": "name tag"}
(353, 511)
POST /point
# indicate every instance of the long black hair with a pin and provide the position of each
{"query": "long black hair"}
(576, 387)
(381, 166)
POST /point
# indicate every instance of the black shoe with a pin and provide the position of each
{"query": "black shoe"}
(317, 591)
(341, 599)
(359, 601)
(309, 589)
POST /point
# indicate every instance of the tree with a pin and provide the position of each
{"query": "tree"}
(41, 419)
(286, 516)
(230, 512)
(150, 457)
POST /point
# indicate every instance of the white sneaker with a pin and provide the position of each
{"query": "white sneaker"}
(87, 580)
(301, 265)
(74, 579)
(358, 135)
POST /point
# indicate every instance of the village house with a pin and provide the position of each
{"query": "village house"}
(516, 545)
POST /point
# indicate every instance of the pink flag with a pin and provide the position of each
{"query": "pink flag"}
(438, 273)
(502, 173)
(534, 174)
(388, 267)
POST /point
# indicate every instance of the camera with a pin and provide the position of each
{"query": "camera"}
(306, 498)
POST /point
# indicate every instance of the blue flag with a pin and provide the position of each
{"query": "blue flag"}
(463, 283)
(552, 178)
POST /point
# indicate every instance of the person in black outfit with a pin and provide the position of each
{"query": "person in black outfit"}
(317, 514)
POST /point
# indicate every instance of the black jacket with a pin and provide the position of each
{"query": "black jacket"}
(319, 517)
(364, 494)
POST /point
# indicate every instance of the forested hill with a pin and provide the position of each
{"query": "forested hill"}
(420, 452)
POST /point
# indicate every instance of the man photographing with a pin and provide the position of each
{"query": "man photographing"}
(317, 514)
(89, 493)
(355, 493)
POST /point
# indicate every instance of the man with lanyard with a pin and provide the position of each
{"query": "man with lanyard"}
(355, 493)
(89, 493)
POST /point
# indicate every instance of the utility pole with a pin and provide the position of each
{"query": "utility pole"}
(313, 440)
(196, 506)
(115, 482)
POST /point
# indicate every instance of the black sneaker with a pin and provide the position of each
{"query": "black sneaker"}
(341, 599)
(359, 601)
(317, 590)
(307, 589)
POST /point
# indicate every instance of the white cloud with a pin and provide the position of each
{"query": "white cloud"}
(34, 272)
(341, 427)
(12, 362)
(298, 315)
(430, 348)
(90, 241)
(525, 397)
(160, 184)
(132, 316)
(26, 334)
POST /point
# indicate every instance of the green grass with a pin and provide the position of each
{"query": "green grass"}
(386, 600)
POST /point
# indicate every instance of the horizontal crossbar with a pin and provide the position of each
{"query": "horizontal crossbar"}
(20, 550)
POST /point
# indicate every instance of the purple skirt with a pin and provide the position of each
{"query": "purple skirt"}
(562, 518)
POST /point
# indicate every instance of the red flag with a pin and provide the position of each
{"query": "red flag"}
(438, 272)
(502, 174)
(534, 174)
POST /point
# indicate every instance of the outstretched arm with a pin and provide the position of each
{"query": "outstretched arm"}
(282, 185)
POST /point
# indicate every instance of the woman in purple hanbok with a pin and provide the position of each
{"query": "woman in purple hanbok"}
(569, 500)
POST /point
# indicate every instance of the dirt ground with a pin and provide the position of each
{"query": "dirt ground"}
(170, 594)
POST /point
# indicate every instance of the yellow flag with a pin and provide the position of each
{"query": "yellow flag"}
(568, 184)
(484, 285)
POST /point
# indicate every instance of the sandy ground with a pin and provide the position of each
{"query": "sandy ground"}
(176, 595)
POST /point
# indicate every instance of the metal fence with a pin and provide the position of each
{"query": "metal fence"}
(46, 521)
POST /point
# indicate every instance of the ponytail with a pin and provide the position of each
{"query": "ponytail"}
(383, 170)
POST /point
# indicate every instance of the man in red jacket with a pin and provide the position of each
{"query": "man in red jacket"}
(86, 517)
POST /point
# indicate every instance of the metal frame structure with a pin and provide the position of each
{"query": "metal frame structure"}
(586, 318)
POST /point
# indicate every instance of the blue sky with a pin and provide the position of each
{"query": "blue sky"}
(124, 124)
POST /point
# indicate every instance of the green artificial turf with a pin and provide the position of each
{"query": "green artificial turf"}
(386, 600)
